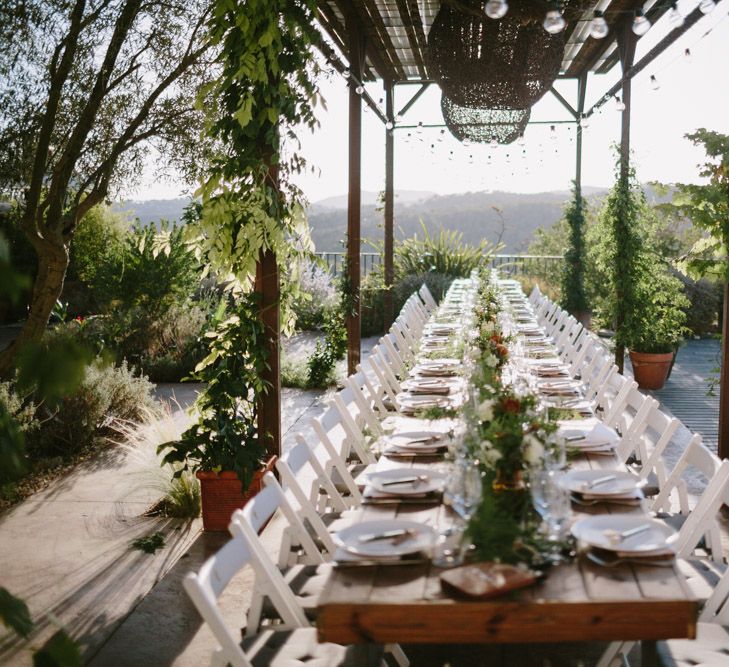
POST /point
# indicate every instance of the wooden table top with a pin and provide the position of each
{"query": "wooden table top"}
(577, 601)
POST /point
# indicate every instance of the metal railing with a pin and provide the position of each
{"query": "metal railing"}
(509, 265)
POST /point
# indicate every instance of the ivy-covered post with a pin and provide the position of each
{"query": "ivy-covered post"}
(626, 40)
(356, 67)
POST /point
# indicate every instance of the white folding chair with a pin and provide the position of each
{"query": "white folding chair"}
(428, 301)
(270, 648)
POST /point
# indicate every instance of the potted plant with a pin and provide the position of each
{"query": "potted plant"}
(223, 447)
(654, 333)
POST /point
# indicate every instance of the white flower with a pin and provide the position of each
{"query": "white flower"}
(487, 328)
(533, 449)
(485, 410)
(490, 360)
(491, 456)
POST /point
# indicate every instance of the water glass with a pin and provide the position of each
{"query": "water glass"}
(463, 490)
(449, 545)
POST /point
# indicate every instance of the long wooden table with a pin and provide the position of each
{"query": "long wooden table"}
(577, 601)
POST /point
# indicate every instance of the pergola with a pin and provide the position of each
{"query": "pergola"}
(371, 40)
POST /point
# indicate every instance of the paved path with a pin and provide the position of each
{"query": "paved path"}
(686, 392)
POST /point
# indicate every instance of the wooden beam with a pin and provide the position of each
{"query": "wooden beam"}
(627, 41)
(564, 102)
(413, 99)
(581, 91)
(389, 244)
(724, 382)
(376, 24)
(649, 57)
(329, 20)
(356, 62)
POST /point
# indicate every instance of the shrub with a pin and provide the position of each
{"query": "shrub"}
(705, 299)
(319, 295)
(156, 270)
(107, 395)
(444, 253)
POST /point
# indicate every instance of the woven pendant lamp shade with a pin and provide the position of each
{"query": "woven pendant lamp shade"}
(484, 125)
(493, 64)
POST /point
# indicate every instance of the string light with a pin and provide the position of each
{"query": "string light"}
(553, 131)
(707, 6)
(554, 21)
(584, 122)
(619, 104)
(675, 17)
(687, 55)
(521, 140)
(641, 25)
(654, 82)
(598, 26)
(496, 9)
(389, 125)
(359, 90)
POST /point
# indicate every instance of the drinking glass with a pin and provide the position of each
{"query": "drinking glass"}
(463, 489)
(448, 547)
(552, 501)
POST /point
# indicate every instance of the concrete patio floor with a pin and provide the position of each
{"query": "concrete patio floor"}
(67, 550)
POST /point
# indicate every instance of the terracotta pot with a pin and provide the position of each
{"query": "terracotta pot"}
(650, 370)
(222, 494)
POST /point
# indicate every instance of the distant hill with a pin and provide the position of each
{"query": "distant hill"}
(513, 217)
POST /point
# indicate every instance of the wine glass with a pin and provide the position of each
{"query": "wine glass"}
(464, 490)
(552, 501)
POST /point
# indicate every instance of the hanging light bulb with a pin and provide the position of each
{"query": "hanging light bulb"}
(345, 73)
(554, 21)
(707, 6)
(359, 90)
(599, 27)
(687, 55)
(494, 143)
(584, 122)
(641, 25)
(521, 141)
(654, 82)
(496, 9)
(389, 125)
(553, 131)
(675, 17)
(619, 104)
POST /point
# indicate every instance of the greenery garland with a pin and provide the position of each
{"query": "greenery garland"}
(574, 297)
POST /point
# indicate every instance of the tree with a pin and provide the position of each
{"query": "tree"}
(87, 89)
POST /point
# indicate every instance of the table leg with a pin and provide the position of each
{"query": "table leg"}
(649, 653)
(367, 655)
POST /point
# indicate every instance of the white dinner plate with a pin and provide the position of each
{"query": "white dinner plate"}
(427, 481)
(604, 531)
(419, 538)
(579, 481)
(422, 401)
(417, 439)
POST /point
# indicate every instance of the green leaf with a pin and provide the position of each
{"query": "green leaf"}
(59, 651)
(14, 613)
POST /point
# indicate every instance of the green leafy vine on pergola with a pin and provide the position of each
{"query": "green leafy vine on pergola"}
(265, 90)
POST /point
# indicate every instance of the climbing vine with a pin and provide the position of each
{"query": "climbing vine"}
(574, 298)
(265, 88)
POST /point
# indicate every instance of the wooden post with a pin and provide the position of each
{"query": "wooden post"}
(268, 287)
(724, 381)
(389, 205)
(626, 46)
(581, 90)
(356, 65)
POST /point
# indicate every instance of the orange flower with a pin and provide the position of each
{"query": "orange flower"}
(496, 337)
(502, 350)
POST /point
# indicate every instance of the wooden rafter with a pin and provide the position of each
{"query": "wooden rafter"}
(417, 48)
(369, 8)
(336, 32)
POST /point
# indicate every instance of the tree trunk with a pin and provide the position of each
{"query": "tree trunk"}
(52, 265)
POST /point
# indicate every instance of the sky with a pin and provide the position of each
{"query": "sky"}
(693, 92)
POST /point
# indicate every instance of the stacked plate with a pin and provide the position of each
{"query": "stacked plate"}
(589, 487)
(625, 537)
(430, 385)
(415, 443)
(382, 541)
(590, 436)
(437, 367)
(405, 483)
(410, 404)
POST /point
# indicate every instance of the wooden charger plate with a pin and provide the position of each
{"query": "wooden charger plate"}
(486, 580)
